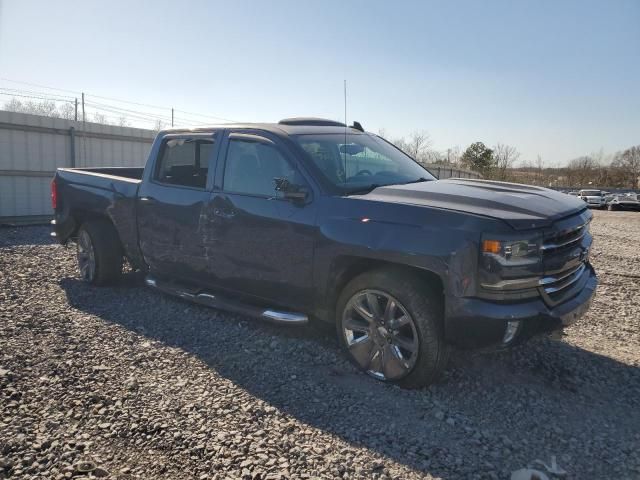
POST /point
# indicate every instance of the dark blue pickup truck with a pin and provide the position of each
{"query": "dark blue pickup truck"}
(311, 219)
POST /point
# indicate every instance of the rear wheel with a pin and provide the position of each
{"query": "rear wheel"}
(99, 253)
(389, 323)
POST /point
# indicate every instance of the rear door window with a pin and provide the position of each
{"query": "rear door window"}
(184, 162)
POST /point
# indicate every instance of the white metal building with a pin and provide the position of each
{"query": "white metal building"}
(33, 146)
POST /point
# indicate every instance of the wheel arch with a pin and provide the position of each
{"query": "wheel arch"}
(346, 268)
(81, 216)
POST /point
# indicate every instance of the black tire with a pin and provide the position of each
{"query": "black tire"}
(107, 250)
(425, 307)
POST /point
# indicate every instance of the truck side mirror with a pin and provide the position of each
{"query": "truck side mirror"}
(291, 191)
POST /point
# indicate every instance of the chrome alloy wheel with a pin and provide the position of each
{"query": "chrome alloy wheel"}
(86, 256)
(380, 334)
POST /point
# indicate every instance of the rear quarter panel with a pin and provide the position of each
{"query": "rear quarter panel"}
(84, 195)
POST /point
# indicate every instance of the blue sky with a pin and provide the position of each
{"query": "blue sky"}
(554, 78)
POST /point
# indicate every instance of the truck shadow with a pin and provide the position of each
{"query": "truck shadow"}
(459, 428)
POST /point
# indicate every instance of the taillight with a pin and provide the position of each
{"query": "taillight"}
(54, 194)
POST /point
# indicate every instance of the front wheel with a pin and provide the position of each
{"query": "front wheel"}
(390, 325)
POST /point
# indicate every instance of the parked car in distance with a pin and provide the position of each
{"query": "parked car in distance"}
(311, 219)
(573, 193)
(624, 202)
(593, 198)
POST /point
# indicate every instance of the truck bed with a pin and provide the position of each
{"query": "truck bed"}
(131, 173)
(99, 192)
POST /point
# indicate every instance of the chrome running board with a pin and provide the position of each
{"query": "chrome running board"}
(284, 317)
(216, 301)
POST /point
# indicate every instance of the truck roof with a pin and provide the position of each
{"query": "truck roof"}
(287, 126)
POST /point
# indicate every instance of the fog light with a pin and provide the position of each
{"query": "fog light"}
(510, 332)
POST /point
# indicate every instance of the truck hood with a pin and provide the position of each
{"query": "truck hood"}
(521, 206)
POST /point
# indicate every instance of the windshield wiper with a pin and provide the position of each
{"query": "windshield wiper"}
(363, 190)
(419, 180)
(373, 186)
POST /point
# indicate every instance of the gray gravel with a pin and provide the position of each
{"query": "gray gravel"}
(128, 383)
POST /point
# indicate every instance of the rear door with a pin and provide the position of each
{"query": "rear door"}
(263, 243)
(173, 206)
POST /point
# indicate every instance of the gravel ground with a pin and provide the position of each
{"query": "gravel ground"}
(129, 383)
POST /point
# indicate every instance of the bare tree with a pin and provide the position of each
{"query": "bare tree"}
(585, 162)
(433, 156)
(540, 170)
(452, 155)
(100, 118)
(401, 143)
(629, 162)
(45, 107)
(582, 170)
(418, 145)
(504, 156)
(13, 105)
(67, 111)
(159, 125)
(123, 122)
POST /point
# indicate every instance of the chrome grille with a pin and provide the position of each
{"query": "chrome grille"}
(565, 239)
(565, 256)
(557, 283)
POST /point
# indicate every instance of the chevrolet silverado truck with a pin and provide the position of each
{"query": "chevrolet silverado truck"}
(309, 219)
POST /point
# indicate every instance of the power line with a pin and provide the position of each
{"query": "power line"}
(33, 96)
(34, 92)
(88, 94)
(125, 110)
(39, 86)
(141, 115)
(137, 114)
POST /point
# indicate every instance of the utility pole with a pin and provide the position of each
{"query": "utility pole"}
(84, 133)
(172, 116)
(76, 114)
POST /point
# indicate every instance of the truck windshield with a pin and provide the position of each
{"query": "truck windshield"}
(357, 163)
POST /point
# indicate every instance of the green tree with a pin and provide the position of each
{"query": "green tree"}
(478, 157)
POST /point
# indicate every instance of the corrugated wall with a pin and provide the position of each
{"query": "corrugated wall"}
(33, 146)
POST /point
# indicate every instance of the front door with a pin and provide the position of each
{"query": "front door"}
(263, 242)
(173, 207)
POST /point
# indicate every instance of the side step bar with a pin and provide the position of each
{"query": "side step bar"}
(216, 301)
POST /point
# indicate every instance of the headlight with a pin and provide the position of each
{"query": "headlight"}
(511, 249)
(510, 268)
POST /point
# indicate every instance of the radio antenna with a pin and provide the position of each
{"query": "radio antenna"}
(344, 153)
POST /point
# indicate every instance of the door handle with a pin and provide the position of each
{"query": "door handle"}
(148, 200)
(219, 212)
